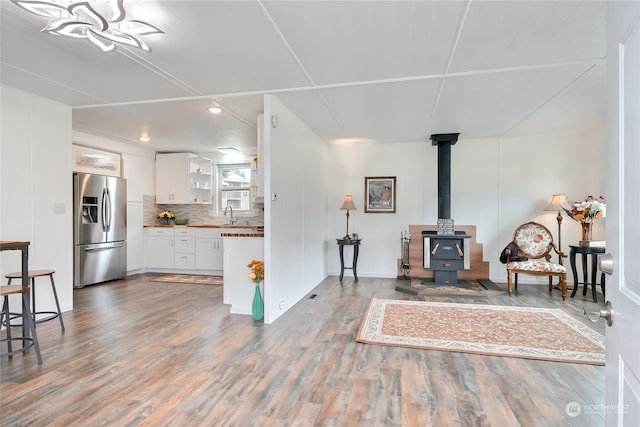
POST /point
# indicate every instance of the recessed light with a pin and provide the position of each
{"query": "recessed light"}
(145, 139)
(215, 110)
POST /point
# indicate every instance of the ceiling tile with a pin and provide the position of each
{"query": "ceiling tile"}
(341, 42)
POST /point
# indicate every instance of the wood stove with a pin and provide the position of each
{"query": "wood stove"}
(446, 254)
(445, 251)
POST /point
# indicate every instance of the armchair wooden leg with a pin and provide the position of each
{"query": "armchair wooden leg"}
(509, 282)
(563, 281)
(550, 284)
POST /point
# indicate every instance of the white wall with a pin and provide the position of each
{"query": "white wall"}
(497, 184)
(295, 225)
(36, 189)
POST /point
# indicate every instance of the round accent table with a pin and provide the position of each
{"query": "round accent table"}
(585, 251)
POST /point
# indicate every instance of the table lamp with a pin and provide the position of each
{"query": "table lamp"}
(348, 205)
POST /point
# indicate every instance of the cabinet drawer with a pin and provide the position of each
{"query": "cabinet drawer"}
(160, 231)
(184, 232)
(185, 245)
(185, 261)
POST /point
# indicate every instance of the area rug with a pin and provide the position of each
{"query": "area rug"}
(196, 279)
(523, 332)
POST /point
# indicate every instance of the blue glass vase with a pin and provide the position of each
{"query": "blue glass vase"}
(258, 304)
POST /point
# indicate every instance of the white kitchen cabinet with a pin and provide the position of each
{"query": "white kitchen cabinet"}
(208, 249)
(135, 237)
(200, 180)
(183, 178)
(172, 178)
(185, 248)
(159, 248)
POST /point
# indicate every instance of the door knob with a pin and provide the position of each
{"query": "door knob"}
(604, 313)
(605, 264)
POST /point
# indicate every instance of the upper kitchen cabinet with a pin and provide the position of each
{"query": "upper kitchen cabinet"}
(183, 178)
(200, 182)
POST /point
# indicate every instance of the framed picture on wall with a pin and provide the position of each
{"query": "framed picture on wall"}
(380, 194)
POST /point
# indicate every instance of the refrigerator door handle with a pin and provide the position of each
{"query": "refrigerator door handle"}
(103, 211)
(101, 246)
(108, 209)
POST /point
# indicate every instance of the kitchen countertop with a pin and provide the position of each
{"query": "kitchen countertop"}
(254, 231)
(252, 227)
(256, 234)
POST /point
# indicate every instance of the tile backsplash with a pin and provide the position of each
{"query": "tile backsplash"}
(196, 214)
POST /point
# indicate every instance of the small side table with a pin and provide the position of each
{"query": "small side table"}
(356, 245)
(594, 252)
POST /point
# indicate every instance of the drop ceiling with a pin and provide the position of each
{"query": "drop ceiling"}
(380, 71)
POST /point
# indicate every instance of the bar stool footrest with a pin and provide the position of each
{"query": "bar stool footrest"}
(24, 349)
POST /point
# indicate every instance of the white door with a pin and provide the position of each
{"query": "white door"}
(623, 204)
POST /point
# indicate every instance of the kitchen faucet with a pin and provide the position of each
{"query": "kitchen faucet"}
(231, 220)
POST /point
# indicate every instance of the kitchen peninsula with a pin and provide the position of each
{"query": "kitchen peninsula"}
(239, 250)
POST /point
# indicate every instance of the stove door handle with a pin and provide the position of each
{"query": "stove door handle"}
(435, 249)
(459, 250)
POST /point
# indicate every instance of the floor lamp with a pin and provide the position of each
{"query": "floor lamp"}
(556, 204)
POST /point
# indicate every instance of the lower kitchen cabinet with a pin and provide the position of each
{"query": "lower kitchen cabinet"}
(159, 246)
(196, 250)
(185, 248)
(208, 249)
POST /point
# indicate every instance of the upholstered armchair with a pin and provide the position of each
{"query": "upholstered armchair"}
(535, 242)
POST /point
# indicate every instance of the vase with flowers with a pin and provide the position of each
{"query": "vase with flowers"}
(257, 276)
(165, 217)
(586, 212)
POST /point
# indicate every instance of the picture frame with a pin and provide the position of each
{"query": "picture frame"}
(380, 194)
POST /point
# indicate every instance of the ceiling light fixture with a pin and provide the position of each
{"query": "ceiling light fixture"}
(215, 110)
(103, 22)
(228, 150)
(145, 139)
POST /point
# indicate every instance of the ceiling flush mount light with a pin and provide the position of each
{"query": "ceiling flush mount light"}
(215, 110)
(228, 150)
(145, 139)
(103, 22)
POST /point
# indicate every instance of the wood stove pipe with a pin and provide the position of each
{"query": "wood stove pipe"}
(444, 141)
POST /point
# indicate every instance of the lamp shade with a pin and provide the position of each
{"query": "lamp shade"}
(558, 201)
(348, 203)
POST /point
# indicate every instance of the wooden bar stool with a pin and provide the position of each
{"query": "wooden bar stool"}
(5, 316)
(32, 276)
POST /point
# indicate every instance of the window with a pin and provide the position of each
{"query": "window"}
(234, 188)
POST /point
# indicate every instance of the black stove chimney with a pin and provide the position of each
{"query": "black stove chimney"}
(444, 141)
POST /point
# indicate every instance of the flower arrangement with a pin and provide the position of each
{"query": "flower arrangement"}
(257, 271)
(588, 210)
(166, 215)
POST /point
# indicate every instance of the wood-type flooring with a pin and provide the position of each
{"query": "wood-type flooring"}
(137, 353)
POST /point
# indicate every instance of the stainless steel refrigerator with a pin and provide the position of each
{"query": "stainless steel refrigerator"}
(99, 229)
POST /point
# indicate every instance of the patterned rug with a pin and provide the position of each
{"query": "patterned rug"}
(524, 332)
(196, 279)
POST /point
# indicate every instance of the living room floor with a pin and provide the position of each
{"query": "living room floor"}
(138, 353)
